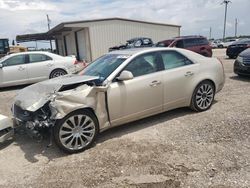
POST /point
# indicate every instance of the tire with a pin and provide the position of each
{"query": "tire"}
(57, 72)
(220, 46)
(76, 132)
(203, 96)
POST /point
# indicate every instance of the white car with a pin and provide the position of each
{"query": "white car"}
(119, 87)
(31, 67)
(214, 44)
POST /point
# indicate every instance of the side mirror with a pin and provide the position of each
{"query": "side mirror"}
(1, 65)
(125, 75)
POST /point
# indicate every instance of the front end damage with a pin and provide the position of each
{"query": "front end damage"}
(6, 128)
(39, 106)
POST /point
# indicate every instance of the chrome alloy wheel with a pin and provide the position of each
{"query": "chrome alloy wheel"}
(77, 132)
(204, 96)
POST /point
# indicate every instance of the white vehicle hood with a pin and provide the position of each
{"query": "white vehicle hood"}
(35, 96)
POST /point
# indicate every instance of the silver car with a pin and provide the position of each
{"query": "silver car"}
(119, 87)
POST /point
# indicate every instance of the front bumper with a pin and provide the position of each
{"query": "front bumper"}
(241, 69)
(6, 128)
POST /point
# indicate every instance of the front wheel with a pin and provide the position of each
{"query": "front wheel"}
(203, 96)
(76, 131)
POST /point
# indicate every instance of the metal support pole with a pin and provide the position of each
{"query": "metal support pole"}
(210, 33)
(48, 20)
(225, 20)
(236, 27)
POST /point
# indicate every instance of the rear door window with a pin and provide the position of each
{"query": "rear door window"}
(33, 58)
(172, 59)
(202, 41)
(179, 44)
(190, 42)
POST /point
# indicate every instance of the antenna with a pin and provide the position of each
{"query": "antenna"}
(225, 18)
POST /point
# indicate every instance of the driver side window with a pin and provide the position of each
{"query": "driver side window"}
(16, 60)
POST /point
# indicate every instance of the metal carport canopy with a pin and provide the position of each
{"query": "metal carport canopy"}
(34, 37)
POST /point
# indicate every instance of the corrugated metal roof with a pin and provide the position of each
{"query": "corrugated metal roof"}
(61, 25)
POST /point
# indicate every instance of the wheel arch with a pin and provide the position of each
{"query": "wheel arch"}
(209, 80)
(90, 110)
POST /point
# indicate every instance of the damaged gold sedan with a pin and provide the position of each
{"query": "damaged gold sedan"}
(119, 87)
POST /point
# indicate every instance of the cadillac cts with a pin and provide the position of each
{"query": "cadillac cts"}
(119, 87)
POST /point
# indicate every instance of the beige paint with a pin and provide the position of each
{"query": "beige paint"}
(6, 125)
(137, 98)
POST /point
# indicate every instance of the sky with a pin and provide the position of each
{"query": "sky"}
(195, 16)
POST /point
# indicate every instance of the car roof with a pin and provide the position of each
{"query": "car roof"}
(245, 53)
(242, 41)
(183, 37)
(31, 52)
(134, 51)
(189, 37)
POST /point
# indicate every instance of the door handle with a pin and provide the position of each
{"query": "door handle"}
(189, 73)
(155, 83)
(49, 64)
(21, 68)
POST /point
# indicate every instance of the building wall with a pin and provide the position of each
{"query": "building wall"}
(60, 45)
(70, 41)
(104, 34)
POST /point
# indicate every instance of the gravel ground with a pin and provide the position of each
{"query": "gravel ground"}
(179, 148)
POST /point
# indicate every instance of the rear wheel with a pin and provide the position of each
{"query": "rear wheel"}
(57, 72)
(203, 96)
(76, 131)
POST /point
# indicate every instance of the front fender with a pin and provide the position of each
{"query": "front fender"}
(82, 97)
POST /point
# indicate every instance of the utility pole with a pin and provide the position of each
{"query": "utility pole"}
(210, 33)
(49, 21)
(225, 18)
(236, 27)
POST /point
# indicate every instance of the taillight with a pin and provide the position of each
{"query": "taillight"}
(75, 62)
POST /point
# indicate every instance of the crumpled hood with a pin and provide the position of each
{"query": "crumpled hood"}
(35, 96)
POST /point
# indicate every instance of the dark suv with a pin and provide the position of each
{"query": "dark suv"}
(138, 42)
(236, 48)
(198, 44)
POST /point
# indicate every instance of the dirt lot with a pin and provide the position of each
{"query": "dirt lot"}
(179, 148)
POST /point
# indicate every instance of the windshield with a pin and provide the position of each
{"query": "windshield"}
(104, 66)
